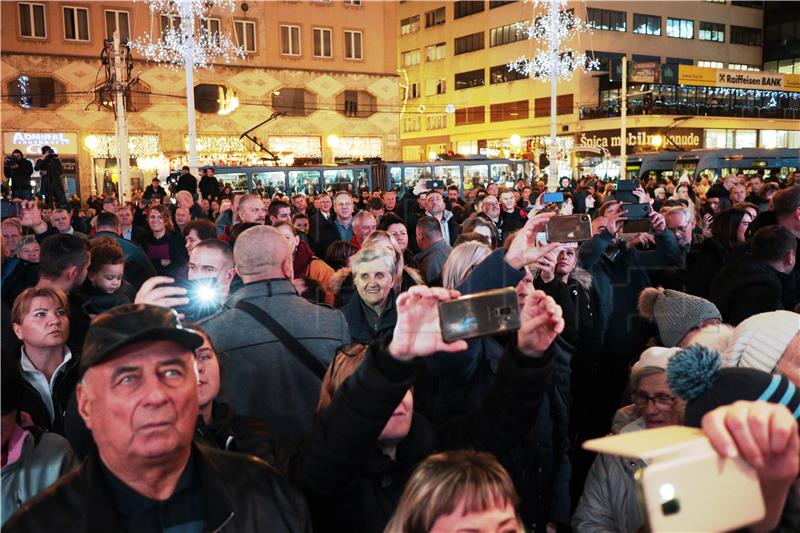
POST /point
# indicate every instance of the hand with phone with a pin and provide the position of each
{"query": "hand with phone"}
(159, 290)
(766, 436)
(542, 322)
(525, 248)
(418, 332)
(30, 216)
(546, 265)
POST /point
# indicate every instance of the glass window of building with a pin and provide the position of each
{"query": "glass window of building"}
(779, 139)
(76, 24)
(36, 92)
(509, 111)
(467, 80)
(605, 19)
(464, 8)
(711, 31)
(412, 123)
(469, 43)
(245, 31)
(410, 58)
(293, 101)
(746, 36)
(710, 64)
(436, 52)
(209, 28)
(170, 23)
(506, 34)
(409, 25)
(434, 87)
(32, 20)
(436, 122)
(742, 66)
(323, 38)
(117, 20)
(680, 28)
(500, 3)
(434, 17)
(470, 115)
(360, 104)
(352, 45)
(646, 24)
(501, 74)
(290, 40)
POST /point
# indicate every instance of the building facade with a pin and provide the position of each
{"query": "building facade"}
(461, 96)
(325, 65)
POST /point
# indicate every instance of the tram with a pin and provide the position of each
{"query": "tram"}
(717, 163)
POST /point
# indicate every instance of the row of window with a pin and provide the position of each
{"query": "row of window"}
(606, 19)
(76, 28)
(436, 17)
(462, 45)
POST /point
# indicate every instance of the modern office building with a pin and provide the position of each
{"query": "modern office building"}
(462, 97)
(326, 65)
(782, 37)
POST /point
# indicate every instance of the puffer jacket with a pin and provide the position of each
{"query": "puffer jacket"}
(240, 494)
(609, 501)
(43, 459)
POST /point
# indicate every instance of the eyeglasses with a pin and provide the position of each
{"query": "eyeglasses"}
(661, 401)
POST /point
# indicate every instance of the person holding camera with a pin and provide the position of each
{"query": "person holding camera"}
(50, 170)
(19, 170)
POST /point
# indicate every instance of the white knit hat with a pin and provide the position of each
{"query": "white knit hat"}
(759, 341)
(656, 357)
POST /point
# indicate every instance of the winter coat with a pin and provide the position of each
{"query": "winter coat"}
(239, 494)
(745, 287)
(172, 242)
(709, 260)
(308, 265)
(187, 182)
(360, 329)
(43, 459)
(97, 301)
(20, 178)
(62, 390)
(609, 502)
(431, 261)
(352, 486)
(262, 378)
(52, 186)
(322, 232)
(209, 187)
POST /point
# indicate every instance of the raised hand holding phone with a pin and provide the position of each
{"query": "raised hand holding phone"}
(525, 248)
(542, 322)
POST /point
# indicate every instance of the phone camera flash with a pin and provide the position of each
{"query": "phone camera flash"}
(670, 505)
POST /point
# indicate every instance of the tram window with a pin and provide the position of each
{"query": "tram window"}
(475, 176)
(396, 178)
(503, 175)
(269, 182)
(450, 174)
(413, 174)
(339, 179)
(304, 182)
(237, 182)
(362, 179)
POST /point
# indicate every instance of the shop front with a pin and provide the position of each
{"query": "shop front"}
(146, 162)
(65, 144)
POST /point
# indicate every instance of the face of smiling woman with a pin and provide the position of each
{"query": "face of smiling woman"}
(373, 282)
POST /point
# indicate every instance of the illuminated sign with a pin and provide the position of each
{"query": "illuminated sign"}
(737, 79)
(30, 143)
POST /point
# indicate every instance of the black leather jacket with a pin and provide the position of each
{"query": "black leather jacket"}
(240, 494)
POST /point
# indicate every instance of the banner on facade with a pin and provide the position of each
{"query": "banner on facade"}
(647, 72)
(738, 79)
(639, 138)
(30, 143)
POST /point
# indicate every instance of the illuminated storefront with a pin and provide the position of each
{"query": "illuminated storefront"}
(64, 144)
(146, 161)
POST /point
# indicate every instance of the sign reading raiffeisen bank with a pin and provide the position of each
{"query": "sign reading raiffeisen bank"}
(738, 79)
(30, 143)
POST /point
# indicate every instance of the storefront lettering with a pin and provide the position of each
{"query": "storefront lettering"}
(611, 139)
(31, 143)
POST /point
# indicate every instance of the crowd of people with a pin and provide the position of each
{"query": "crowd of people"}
(210, 360)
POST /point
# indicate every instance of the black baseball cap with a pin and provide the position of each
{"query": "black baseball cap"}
(129, 324)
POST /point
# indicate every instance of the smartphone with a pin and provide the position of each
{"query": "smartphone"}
(569, 228)
(435, 184)
(476, 315)
(636, 211)
(9, 209)
(205, 298)
(553, 197)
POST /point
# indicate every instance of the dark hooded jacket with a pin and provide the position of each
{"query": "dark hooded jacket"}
(745, 287)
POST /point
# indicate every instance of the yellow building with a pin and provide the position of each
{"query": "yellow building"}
(453, 57)
(325, 64)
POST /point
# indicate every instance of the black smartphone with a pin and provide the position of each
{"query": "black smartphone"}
(569, 228)
(435, 184)
(624, 192)
(553, 197)
(205, 298)
(636, 211)
(9, 209)
(476, 315)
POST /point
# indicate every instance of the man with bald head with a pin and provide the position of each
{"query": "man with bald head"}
(273, 364)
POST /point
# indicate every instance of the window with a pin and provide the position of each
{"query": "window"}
(412, 123)
(434, 87)
(352, 45)
(294, 102)
(464, 8)
(31, 20)
(605, 19)
(743, 35)
(710, 64)
(435, 52)
(35, 92)
(470, 115)
(209, 96)
(436, 122)
(434, 17)
(352, 2)
(357, 104)
(290, 40)
(501, 74)
(679, 61)
(646, 24)
(468, 43)
(76, 24)
(500, 3)
(741, 66)
(715, 1)
(350, 103)
(170, 23)
(322, 42)
(409, 25)
(411, 58)
(506, 34)
(711, 31)
(680, 28)
(245, 34)
(414, 90)
(467, 80)
(564, 105)
(117, 20)
(211, 29)
(508, 111)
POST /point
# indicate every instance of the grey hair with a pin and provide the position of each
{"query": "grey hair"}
(640, 374)
(24, 241)
(361, 215)
(685, 211)
(461, 260)
(373, 253)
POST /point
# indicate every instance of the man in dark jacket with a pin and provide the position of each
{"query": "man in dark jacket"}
(368, 439)
(50, 171)
(155, 191)
(321, 228)
(138, 396)
(187, 182)
(209, 185)
(19, 170)
(756, 282)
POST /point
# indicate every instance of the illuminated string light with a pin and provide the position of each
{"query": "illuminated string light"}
(139, 146)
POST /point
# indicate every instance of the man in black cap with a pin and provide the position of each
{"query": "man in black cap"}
(138, 397)
(50, 171)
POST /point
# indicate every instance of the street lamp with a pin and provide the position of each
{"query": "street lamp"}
(516, 140)
(91, 142)
(657, 140)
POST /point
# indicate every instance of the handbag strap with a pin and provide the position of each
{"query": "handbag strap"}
(293, 345)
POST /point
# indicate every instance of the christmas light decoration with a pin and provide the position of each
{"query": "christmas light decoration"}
(296, 145)
(105, 146)
(358, 147)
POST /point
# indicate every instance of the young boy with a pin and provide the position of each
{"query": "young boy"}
(105, 287)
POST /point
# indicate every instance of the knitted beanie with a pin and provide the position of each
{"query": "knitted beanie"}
(694, 374)
(675, 313)
(655, 357)
(759, 341)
